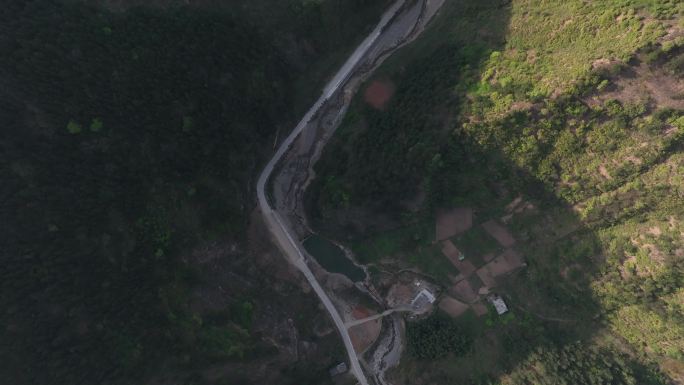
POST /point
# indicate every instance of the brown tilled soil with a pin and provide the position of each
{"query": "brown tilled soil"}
(464, 291)
(499, 232)
(452, 306)
(505, 263)
(479, 309)
(488, 257)
(466, 268)
(450, 250)
(513, 259)
(364, 335)
(378, 93)
(452, 222)
(486, 276)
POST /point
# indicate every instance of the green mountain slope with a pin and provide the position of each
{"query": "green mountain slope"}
(576, 109)
(129, 145)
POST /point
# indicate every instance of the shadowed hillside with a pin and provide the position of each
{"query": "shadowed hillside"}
(130, 139)
(528, 113)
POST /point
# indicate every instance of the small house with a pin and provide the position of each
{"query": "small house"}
(498, 303)
(338, 369)
(423, 298)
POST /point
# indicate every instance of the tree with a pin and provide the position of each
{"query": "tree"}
(73, 127)
(436, 337)
(96, 125)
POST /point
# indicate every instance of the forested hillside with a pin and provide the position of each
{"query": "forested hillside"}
(130, 140)
(572, 108)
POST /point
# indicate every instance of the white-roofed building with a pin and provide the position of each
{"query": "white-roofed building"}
(339, 369)
(498, 303)
(423, 298)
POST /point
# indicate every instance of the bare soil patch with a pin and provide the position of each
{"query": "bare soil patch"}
(670, 130)
(644, 83)
(361, 312)
(517, 206)
(480, 309)
(451, 222)
(655, 253)
(521, 106)
(633, 159)
(452, 306)
(399, 294)
(655, 231)
(512, 206)
(674, 368)
(486, 276)
(604, 172)
(363, 335)
(464, 291)
(488, 257)
(603, 63)
(378, 93)
(504, 264)
(450, 250)
(466, 268)
(499, 232)
(625, 268)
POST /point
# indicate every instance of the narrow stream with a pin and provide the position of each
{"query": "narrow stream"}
(296, 170)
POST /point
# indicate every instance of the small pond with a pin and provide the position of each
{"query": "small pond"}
(332, 258)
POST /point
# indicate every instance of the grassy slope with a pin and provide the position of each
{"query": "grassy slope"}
(130, 140)
(517, 119)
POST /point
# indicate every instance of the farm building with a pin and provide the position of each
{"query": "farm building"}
(498, 303)
(423, 298)
(338, 369)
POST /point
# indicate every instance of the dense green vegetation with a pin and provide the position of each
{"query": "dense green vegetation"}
(429, 128)
(412, 244)
(436, 337)
(378, 149)
(529, 351)
(130, 140)
(537, 100)
(573, 364)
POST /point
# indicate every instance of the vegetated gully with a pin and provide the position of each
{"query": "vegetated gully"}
(280, 194)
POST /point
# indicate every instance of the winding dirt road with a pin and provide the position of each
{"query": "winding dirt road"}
(282, 234)
(406, 309)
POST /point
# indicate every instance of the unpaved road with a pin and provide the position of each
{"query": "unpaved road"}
(277, 224)
(280, 233)
(406, 309)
